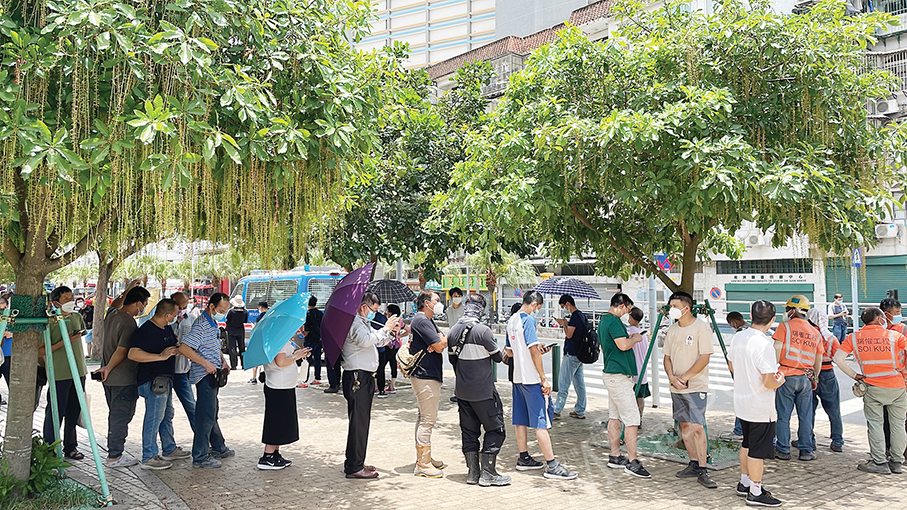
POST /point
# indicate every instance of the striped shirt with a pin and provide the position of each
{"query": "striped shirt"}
(203, 338)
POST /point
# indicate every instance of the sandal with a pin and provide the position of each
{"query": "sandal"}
(74, 455)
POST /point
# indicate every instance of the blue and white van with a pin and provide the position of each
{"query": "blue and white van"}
(274, 286)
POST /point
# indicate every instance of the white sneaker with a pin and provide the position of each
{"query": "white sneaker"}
(124, 461)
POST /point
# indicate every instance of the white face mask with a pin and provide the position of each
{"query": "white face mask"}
(69, 307)
(675, 313)
(457, 300)
(438, 309)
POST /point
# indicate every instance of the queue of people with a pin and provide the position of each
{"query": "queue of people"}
(172, 352)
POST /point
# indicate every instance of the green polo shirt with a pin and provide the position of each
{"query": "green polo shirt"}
(62, 372)
(616, 360)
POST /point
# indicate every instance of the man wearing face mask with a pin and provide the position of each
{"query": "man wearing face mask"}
(837, 311)
(473, 352)
(426, 379)
(456, 308)
(67, 400)
(892, 309)
(827, 388)
(571, 366)
(880, 354)
(119, 373)
(619, 369)
(360, 360)
(688, 346)
(531, 390)
(799, 350)
(202, 347)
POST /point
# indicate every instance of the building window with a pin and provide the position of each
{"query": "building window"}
(776, 266)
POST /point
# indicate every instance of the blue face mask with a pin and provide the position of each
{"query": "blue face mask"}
(219, 317)
(370, 316)
(896, 319)
(535, 314)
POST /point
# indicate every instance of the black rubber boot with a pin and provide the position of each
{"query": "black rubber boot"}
(472, 463)
(490, 475)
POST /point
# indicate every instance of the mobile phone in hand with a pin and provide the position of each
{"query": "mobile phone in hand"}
(96, 376)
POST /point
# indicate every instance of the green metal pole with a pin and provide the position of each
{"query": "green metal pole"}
(52, 382)
(86, 415)
(652, 339)
(711, 313)
(555, 366)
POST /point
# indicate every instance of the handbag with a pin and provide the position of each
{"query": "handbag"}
(161, 384)
(220, 378)
(224, 342)
(408, 363)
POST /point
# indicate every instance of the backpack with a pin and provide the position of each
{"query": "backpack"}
(587, 348)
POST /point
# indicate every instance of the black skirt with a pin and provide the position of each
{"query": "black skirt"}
(281, 424)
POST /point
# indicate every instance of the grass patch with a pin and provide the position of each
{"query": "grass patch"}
(59, 494)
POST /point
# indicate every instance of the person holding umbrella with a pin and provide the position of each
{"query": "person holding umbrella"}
(360, 361)
(281, 425)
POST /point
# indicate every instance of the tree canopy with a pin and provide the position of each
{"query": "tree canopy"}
(681, 126)
(227, 120)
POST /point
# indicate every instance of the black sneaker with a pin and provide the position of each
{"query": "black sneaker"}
(705, 480)
(279, 456)
(764, 499)
(559, 472)
(742, 490)
(782, 455)
(690, 471)
(332, 389)
(272, 462)
(635, 468)
(618, 462)
(837, 448)
(382, 394)
(528, 464)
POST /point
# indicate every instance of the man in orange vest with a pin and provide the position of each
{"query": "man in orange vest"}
(827, 389)
(892, 309)
(799, 352)
(880, 353)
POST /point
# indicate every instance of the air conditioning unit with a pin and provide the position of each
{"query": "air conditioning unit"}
(886, 230)
(887, 106)
(753, 240)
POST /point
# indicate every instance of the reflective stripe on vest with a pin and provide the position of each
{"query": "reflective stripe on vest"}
(794, 354)
(892, 362)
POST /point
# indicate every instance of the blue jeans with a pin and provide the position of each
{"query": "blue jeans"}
(738, 427)
(796, 391)
(840, 331)
(158, 419)
(183, 391)
(207, 431)
(571, 370)
(828, 393)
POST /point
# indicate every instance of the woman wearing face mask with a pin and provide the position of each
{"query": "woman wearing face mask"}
(426, 379)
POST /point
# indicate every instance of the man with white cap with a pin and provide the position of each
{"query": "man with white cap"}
(236, 321)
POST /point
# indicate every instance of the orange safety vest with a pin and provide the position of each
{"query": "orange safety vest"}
(831, 346)
(876, 351)
(902, 329)
(801, 342)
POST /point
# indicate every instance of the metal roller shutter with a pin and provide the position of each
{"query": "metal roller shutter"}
(880, 275)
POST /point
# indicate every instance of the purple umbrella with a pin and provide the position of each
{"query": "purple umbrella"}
(341, 309)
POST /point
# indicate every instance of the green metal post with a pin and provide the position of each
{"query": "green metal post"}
(653, 335)
(52, 385)
(86, 414)
(711, 313)
(555, 365)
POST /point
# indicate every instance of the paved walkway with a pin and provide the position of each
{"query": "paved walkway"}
(316, 479)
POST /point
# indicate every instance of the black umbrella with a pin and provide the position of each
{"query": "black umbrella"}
(391, 291)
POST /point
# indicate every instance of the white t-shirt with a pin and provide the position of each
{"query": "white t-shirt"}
(521, 335)
(281, 378)
(752, 354)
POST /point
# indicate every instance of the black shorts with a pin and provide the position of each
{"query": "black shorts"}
(759, 437)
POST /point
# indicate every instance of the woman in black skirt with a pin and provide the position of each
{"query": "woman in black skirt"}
(281, 424)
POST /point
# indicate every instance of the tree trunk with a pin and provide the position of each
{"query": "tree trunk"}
(106, 267)
(422, 278)
(17, 442)
(688, 265)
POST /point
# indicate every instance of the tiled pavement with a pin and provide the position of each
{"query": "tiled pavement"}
(316, 480)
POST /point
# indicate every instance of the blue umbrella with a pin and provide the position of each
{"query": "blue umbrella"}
(277, 327)
(560, 285)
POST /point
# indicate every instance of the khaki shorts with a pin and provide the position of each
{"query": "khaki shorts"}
(621, 399)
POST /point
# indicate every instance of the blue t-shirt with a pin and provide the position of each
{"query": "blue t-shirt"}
(7, 347)
(425, 333)
(153, 339)
(578, 321)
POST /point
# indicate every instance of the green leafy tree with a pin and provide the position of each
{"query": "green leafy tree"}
(214, 119)
(672, 133)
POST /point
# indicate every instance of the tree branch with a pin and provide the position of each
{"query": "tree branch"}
(639, 260)
(81, 247)
(12, 254)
